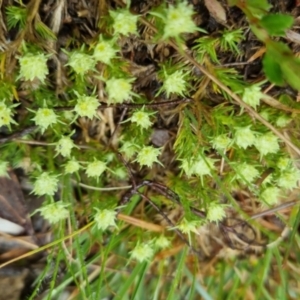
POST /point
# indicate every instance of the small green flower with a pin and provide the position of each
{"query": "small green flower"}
(246, 173)
(284, 163)
(33, 66)
(105, 218)
(124, 22)
(81, 63)
(283, 121)
(175, 83)
(72, 166)
(244, 137)
(3, 168)
(142, 118)
(64, 146)
(119, 89)
(86, 106)
(142, 252)
(5, 115)
(267, 143)
(270, 195)
(128, 149)
(44, 118)
(216, 212)
(188, 227)
(252, 95)
(54, 212)
(95, 168)
(221, 142)
(104, 51)
(45, 184)
(289, 179)
(179, 20)
(200, 166)
(147, 156)
(162, 242)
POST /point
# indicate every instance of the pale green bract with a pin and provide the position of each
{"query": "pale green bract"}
(267, 143)
(178, 20)
(216, 212)
(270, 195)
(64, 146)
(45, 184)
(81, 63)
(142, 252)
(72, 166)
(33, 66)
(95, 168)
(244, 137)
(54, 212)
(118, 89)
(105, 218)
(104, 52)
(44, 118)
(86, 106)
(124, 22)
(147, 156)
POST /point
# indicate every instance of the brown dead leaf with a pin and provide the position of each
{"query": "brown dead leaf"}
(216, 10)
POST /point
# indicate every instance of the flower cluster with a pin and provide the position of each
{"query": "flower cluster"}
(142, 119)
(54, 212)
(33, 66)
(86, 106)
(45, 184)
(246, 173)
(252, 95)
(267, 143)
(72, 166)
(215, 212)
(174, 83)
(221, 142)
(81, 63)
(124, 22)
(244, 137)
(178, 20)
(104, 51)
(64, 146)
(200, 166)
(119, 89)
(148, 155)
(105, 218)
(270, 195)
(142, 252)
(95, 168)
(5, 114)
(44, 118)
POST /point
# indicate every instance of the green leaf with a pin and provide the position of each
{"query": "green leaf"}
(276, 24)
(272, 70)
(44, 31)
(258, 7)
(291, 71)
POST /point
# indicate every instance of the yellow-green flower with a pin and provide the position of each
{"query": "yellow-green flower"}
(54, 212)
(105, 218)
(33, 66)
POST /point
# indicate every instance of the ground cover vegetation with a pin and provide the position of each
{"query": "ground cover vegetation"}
(161, 141)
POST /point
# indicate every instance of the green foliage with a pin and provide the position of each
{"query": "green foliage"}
(16, 16)
(88, 124)
(276, 24)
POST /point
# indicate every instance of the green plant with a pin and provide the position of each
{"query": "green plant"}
(147, 177)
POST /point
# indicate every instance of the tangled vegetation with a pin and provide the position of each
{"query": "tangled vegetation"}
(162, 137)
